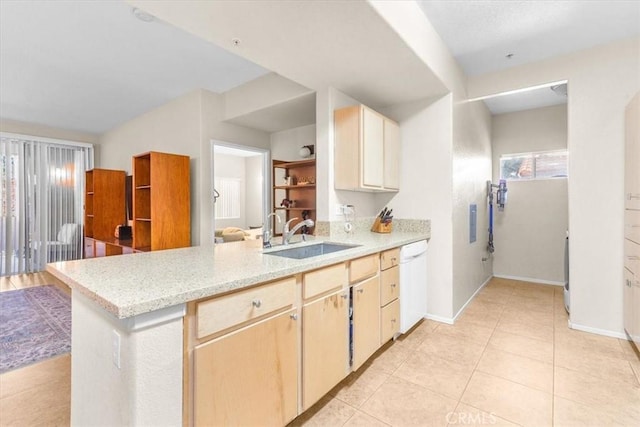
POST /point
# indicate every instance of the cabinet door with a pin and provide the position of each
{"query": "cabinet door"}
(366, 320)
(255, 366)
(325, 345)
(390, 322)
(389, 285)
(391, 155)
(372, 149)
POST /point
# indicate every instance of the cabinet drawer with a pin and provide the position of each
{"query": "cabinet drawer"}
(389, 321)
(390, 285)
(323, 280)
(362, 268)
(632, 257)
(632, 225)
(221, 313)
(389, 258)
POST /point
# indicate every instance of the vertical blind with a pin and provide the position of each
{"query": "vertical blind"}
(228, 203)
(41, 201)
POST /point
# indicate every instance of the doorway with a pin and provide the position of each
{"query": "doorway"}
(241, 183)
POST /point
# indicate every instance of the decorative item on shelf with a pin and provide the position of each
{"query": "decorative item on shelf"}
(123, 232)
(306, 151)
(303, 180)
(288, 180)
(306, 214)
(287, 203)
(382, 224)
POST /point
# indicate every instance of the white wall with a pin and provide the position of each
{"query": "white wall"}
(471, 170)
(286, 144)
(529, 235)
(469, 144)
(602, 81)
(426, 188)
(185, 125)
(253, 187)
(225, 166)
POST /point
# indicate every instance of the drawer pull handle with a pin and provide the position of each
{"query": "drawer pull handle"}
(256, 303)
(633, 257)
(393, 285)
(629, 283)
(393, 320)
(344, 296)
(293, 316)
(394, 259)
(360, 291)
(633, 196)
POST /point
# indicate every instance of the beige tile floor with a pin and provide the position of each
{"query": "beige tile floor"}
(509, 360)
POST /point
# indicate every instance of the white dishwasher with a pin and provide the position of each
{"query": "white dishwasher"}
(413, 284)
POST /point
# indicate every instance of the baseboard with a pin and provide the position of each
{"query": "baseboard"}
(529, 279)
(471, 298)
(597, 331)
(440, 319)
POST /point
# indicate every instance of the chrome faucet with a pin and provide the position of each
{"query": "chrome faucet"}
(288, 234)
(267, 233)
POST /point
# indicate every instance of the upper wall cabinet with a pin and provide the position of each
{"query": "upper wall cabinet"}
(367, 150)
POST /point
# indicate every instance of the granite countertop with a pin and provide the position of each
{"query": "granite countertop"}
(139, 283)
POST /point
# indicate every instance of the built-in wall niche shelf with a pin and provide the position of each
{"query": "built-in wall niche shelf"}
(293, 181)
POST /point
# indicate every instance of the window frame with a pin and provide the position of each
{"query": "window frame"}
(532, 155)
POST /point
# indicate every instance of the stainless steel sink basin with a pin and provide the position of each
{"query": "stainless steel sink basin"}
(312, 250)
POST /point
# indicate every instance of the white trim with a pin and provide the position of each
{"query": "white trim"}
(597, 331)
(529, 279)
(522, 90)
(440, 319)
(46, 140)
(471, 298)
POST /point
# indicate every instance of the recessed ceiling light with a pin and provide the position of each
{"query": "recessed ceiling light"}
(142, 15)
(236, 42)
(509, 55)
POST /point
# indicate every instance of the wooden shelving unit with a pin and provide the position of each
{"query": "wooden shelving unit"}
(161, 201)
(303, 195)
(104, 205)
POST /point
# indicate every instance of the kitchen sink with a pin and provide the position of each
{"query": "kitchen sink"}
(312, 250)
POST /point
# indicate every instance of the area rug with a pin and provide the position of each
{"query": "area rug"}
(35, 324)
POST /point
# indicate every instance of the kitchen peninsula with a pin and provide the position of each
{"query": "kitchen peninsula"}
(139, 319)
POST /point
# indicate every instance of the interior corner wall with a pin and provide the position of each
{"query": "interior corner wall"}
(172, 128)
(213, 127)
(426, 189)
(286, 144)
(471, 171)
(529, 235)
(601, 82)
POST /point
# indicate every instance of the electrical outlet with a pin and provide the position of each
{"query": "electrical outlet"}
(115, 348)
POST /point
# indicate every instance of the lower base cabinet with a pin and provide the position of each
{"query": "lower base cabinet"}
(366, 320)
(248, 377)
(325, 345)
(390, 321)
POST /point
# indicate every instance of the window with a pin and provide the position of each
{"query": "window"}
(228, 203)
(539, 165)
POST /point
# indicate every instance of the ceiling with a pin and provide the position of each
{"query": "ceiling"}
(90, 66)
(480, 33)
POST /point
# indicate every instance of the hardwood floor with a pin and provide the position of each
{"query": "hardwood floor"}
(39, 394)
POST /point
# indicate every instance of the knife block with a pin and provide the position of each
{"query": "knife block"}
(380, 227)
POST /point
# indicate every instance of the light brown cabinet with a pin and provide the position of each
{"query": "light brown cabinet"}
(248, 377)
(161, 201)
(366, 320)
(372, 142)
(631, 279)
(325, 345)
(389, 294)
